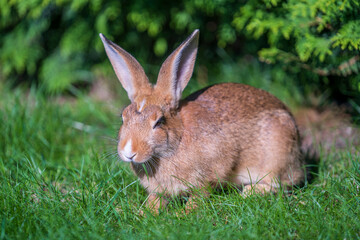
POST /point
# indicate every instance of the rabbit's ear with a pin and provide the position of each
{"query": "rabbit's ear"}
(177, 69)
(127, 69)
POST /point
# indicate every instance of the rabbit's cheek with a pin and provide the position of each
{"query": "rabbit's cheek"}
(159, 143)
(159, 137)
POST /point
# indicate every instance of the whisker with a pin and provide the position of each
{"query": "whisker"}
(110, 139)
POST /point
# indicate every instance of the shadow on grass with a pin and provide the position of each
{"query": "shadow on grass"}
(311, 168)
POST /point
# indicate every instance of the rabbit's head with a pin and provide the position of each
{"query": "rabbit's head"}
(151, 125)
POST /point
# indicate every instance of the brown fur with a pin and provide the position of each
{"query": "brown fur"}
(226, 132)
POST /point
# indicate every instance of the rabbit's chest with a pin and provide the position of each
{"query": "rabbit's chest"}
(168, 179)
(167, 184)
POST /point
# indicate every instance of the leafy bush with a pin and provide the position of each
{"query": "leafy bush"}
(57, 44)
(319, 37)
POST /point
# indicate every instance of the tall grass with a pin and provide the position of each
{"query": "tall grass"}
(61, 179)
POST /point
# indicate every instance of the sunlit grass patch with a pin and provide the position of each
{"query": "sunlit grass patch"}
(61, 179)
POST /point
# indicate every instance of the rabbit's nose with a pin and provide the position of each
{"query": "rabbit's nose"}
(126, 152)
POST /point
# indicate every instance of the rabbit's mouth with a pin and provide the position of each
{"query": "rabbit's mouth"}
(150, 160)
(127, 159)
(133, 158)
(136, 157)
(146, 168)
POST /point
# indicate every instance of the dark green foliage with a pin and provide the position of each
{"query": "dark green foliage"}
(317, 40)
(57, 44)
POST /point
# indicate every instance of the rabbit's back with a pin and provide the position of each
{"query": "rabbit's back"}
(244, 133)
(230, 111)
(228, 100)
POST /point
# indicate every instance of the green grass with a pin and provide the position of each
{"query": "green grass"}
(60, 179)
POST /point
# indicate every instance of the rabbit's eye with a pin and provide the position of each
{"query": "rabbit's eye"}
(122, 116)
(159, 122)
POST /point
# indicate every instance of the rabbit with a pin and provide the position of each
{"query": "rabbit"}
(227, 132)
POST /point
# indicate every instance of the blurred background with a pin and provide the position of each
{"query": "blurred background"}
(304, 52)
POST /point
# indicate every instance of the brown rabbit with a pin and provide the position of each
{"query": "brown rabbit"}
(225, 132)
